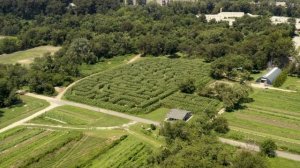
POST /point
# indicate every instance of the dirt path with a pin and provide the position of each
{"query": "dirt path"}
(134, 59)
(255, 85)
(124, 126)
(20, 122)
(253, 147)
(59, 102)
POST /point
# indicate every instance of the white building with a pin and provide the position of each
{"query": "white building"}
(229, 17)
(279, 19)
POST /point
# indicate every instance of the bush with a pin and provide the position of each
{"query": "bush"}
(153, 127)
(188, 86)
(279, 81)
(268, 148)
(220, 125)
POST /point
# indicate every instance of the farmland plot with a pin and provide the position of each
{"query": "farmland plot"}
(127, 153)
(139, 87)
(273, 114)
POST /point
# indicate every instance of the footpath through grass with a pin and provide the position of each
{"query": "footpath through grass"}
(74, 116)
(27, 56)
(15, 113)
(273, 114)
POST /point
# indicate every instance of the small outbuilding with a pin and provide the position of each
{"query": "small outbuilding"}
(270, 76)
(177, 114)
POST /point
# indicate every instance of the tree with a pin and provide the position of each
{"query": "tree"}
(221, 125)
(246, 159)
(8, 95)
(9, 45)
(268, 148)
(232, 95)
(80, 52)
(281, 78)
(187, 86)
(232, 67)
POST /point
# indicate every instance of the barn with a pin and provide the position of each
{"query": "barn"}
(270, 76)
(177, 114)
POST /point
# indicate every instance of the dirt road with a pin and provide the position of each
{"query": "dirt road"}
(253, 147)
(20, 122)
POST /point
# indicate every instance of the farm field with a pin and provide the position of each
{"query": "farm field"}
(87, 70)
(74, 116)
(130, 152)
(273, 114)
(38, 147)
(141, 87)
(27, 56)
(29, 106)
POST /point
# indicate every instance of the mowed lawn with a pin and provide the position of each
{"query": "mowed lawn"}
(273, 114)
(292, 83)
(27, 56)
(74, 116)
(28, 107)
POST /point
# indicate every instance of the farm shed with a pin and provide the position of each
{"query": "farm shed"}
(270, 76)
(177, 114)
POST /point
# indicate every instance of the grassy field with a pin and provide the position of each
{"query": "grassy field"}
(141, 87)
(87, 70)
(27, 56)
(282, 163)
(156, 115)
(74, 116)
(292, 83)
(273, 114)
(29, 106)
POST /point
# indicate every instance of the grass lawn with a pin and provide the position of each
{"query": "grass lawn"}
(283, 163)
(87, 70)
(27, 56)
(292, 83)
(74, 116)
(156, 115)
(256, 76)
(273, 114)
(28, 107)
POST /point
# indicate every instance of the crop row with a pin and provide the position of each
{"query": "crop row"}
(189, 102)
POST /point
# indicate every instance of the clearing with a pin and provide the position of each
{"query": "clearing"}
(26, 57)
(28, 107)
(273, 114)
(145, 86)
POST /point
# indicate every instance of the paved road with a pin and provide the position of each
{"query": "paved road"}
(256, 148)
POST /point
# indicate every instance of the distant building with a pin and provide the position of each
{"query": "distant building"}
(282, 4)
(177, 114)
(279, 19)
(269, 78)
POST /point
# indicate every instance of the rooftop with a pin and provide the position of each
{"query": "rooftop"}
(177, 114)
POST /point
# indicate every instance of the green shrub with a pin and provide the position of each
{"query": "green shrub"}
(279, 81)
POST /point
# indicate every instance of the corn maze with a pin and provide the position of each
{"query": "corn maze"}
(139, 87)
(189, 102)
